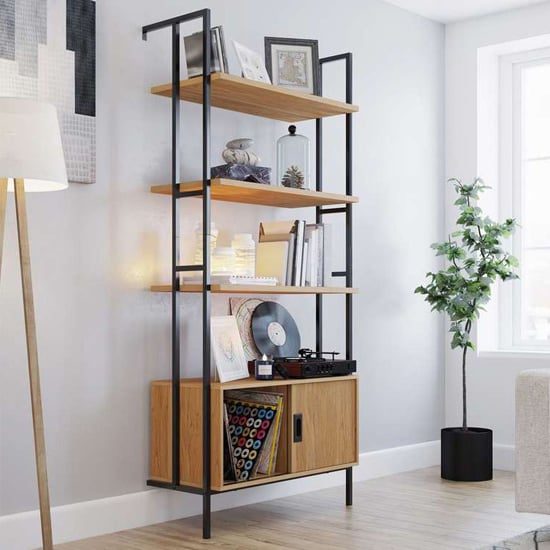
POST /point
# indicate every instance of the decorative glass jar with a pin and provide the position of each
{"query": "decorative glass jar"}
(198, 241)
(223, 261)
(293, 160)
(245, 251)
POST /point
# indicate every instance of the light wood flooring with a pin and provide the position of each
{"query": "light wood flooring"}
(409, 511)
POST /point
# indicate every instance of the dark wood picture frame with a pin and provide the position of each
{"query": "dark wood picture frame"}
(312, 75)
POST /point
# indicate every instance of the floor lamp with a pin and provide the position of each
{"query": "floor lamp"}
(31, 159)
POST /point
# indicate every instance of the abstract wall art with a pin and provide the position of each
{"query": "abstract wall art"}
(47, 52)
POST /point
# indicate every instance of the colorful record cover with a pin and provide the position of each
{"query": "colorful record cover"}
(249, 427)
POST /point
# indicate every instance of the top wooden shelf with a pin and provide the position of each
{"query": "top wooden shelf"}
(257, 98)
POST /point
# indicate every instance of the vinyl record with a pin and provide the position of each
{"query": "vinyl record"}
(274, 330)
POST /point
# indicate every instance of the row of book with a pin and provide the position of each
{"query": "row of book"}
(252, 422)
(292, 252)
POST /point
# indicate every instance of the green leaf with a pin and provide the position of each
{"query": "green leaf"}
(476, 259)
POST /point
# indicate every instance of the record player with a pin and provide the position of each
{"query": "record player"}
(276, 334)
(311, 364)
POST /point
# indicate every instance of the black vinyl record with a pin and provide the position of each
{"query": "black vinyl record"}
(274, 330)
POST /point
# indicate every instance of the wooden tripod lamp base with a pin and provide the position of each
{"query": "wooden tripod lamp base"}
(31, 159)
(32, 350)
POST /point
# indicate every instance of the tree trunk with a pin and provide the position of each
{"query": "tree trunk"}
(464, 394)
(464, 409)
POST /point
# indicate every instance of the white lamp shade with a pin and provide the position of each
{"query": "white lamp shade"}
(30, 145)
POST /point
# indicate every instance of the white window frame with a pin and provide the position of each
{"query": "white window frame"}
(510, 202)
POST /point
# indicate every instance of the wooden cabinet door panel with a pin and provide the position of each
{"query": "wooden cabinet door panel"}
(328, 424)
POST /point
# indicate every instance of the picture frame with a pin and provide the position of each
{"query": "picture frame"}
(193, 52)
(227, 348)
(252, 64)
(293, 63)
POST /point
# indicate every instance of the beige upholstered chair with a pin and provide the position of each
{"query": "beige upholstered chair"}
(533, 441)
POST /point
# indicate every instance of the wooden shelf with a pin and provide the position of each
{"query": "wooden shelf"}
(260, 194)
(265, 480)
(252, 383)
(259, 289)
(235, 93)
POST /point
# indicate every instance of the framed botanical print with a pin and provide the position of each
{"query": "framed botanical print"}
(252, 65)
(293, 63)
(227, 348)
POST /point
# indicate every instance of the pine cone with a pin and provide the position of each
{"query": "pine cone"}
(293, 177)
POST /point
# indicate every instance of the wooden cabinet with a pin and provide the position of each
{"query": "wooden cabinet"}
(324, 427)
(321, 413)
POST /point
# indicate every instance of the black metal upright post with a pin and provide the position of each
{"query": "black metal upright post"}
(349, 245)
(348, 273)
(174, 24)
(176, 103)
(206, 199)
(319, 213)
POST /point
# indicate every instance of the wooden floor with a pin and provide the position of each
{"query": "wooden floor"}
(414, 510)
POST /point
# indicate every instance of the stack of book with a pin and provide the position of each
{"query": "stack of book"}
(292, 252)
(252, 428)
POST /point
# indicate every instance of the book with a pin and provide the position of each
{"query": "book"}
(194, 57)
(315, 254)
(290, 258)
(298, 253)
(249, 280)
(305, 262)
(271, 260)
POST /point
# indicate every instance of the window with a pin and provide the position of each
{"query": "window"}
(524, 193)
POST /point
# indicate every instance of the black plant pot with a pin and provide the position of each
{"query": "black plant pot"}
(467, 455)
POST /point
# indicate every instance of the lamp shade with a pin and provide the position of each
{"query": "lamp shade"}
(30, 145)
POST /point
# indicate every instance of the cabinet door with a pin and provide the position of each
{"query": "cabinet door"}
(324, 424)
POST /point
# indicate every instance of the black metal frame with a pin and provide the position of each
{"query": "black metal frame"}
(205, 192)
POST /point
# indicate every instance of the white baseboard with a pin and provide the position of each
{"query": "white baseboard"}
(98, 517)
(504, 457)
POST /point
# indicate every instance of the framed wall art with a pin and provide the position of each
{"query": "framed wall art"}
(227, 348)
(47, 52)
(293, 63)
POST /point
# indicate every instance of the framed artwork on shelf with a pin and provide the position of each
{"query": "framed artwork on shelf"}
(193, 53)
(293, 63)
(227, 348)
(252, 64)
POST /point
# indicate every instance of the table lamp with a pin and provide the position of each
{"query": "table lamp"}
(31, 159)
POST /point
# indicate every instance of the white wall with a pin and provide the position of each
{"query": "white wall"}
(103, 337)
(491, 379)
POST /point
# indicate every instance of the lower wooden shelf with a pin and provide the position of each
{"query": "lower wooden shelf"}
(328, 440)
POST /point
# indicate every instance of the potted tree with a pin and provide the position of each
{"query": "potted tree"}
(475, 259)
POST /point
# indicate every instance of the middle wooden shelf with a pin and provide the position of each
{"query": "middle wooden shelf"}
(261, 194)
(219, 288)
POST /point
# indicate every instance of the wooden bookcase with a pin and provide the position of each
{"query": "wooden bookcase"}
(187, 427)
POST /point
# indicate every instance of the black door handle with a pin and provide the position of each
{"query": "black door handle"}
(297, 427)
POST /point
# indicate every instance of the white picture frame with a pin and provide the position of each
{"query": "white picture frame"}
(252, 63)
(227, 348)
